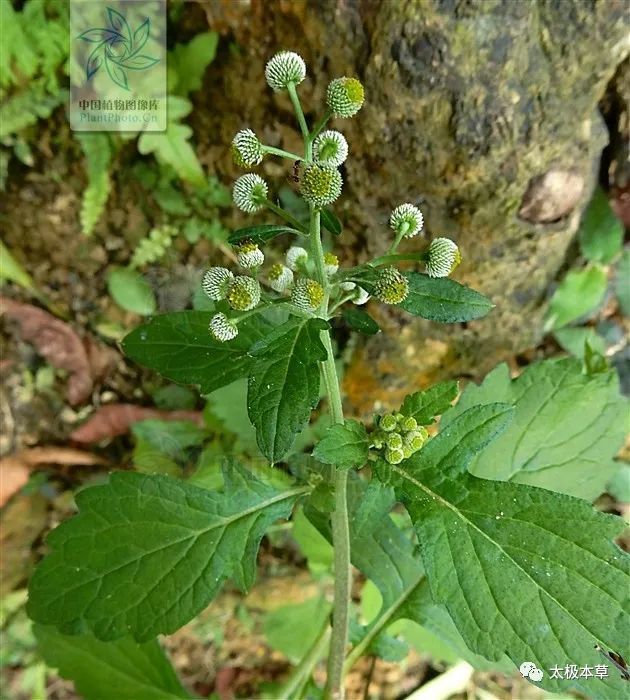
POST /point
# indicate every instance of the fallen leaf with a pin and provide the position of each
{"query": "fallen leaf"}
(12, 477)
(116, 419)
(59, 344)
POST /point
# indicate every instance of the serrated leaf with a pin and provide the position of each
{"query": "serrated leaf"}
(131, 291)
(171, 147)
(360, 321)
(345, 445)
(426, 405)
(190, 61)
(579, 294)
(566, 430)
(97, 149)
(284, 384)
(179, 346)
(443, 300)
(520, 569)
(601, 232)
(262, 233)
(330, 222)
(573, 340)
(121, 670)
(146, 554)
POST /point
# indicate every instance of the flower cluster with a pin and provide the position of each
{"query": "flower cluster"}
(391, 286)
(397, 437)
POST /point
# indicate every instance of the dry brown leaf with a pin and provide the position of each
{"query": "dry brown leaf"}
(60, 345)
(13, 475)
(116, 419)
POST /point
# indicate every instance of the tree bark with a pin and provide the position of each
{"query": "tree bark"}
(482, 111)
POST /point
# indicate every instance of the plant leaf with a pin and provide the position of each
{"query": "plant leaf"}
(190, 61)
(131, 291)
(622, 282)
(426, 405)
(345, 445)
(284, 384)
(567, 427)
(601, 232)
(293, 629)
(515, 565)
(262, 233)
(141, 35)
(330, 222)
(171, 147)
(121, 670)
(360, 321)
(10, 269)
(139, 62)
(116, 72)
(579, 294)
(179, 346)
(443, 300)
(148, 553)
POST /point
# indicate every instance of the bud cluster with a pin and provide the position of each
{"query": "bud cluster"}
(397, 437)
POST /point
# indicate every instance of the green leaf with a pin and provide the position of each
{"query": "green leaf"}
(262, 233)
(97, 149)
(169, 437)
(131, 291)
(330, 222)
(189, 61)
(313, 545)
(601, 232)
(345, 445)
(10, 269)
(520, 569)
(179, 346)
(173, 397)
(566, 430)
(426, 405)
(148, 553)
(573, 340)
(622, 282)
(171, 147)
(360, 321)
(284, 384)
(579, 294)
(443, 300)
(293, 629)
(121, 670)
(619, 485)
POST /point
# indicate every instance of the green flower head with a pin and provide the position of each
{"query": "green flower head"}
(330, 148)
(406, 220)
(244, 294)
(284, 68)
(222, 328)
(345, 96)
(394, 456)
(249, 255)
(250, 193)
(295, 257)
(320, 185)
(391, 287)
(247, 149)
(280, 277)
(307, 294)
(444, 257)
(216, 282)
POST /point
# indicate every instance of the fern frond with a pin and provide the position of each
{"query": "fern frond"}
(98, 153)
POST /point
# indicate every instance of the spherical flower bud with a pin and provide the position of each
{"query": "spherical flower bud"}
(331, 263)
(307, 294)
(407, 423)
(250, 193)
(295, 257)
(244, 294)
(388, 423)
(216, 282)
(361, 297)
(345, 96)
(391, 287)
(284, 68)
(394, 456)
(222, 328)
(247, 149)
(249, 255)
(407, 451)
(347, 286)
(320, 185)
(378, 439)
(444, 257)
(330, 148)
(406, 220)
(280, 277)
(394, 441)
(415, 439)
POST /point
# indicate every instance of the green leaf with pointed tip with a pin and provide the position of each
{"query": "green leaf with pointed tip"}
(360, 321)
(579, 294)
(171, 147)
(179, 346)
(262, 233)
(131, 291)
(442, 299)
(330, 222)
(522, 570)
(146, 554)
(120, 670)
(284, 383)
(567, 427)
(345, 445)
(426, 405)
(601, 232)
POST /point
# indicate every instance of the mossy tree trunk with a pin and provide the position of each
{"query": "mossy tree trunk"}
(483, 111)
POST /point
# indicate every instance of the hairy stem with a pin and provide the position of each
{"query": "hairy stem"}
(300, 116)
(281, 152)
(302, 672)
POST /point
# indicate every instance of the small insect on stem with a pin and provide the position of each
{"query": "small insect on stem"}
(295, 172)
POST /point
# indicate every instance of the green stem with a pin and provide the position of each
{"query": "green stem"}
(399, 257)
(285, 215)
(282, 153)
(302, 672)
(321, 124)
(341, 302)
(299, 114)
